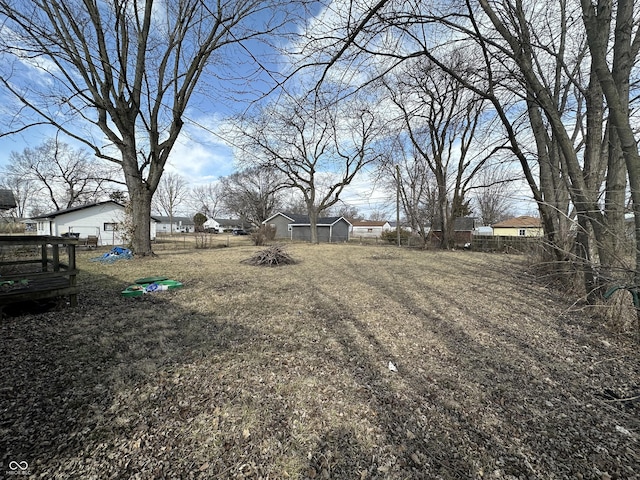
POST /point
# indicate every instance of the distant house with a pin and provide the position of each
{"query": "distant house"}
(100, 219)
(407, 226)
(463, 229)
(223, 224)
(174, 224)
(484, 230)
(7, 200)
(297, 227)
(369, 228)
(524, 226)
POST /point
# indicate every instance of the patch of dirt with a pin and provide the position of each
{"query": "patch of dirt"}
(284, 373)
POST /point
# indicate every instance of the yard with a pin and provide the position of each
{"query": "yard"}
(256, 372)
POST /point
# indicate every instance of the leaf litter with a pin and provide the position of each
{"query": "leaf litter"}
(286, 373)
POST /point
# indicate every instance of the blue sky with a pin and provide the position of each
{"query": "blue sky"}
(200, 154)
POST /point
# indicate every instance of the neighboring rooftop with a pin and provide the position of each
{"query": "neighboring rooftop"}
(81, 207)
(369, 223)
(176, 219)
(7, 200)
(524, 221)
(304, 219)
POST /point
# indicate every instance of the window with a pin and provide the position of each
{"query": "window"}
(522, 232)
(110, 227)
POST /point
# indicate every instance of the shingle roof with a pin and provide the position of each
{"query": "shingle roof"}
(369, 223)
(73, 209)
(524, 221)
(7, 200)
(165, 219)
(227, 222)
(299, 220)
(81, 207)
(304, 219)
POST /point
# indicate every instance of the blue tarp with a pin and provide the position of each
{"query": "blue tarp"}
(115, 254)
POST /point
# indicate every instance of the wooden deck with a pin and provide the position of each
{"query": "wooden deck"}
(31, 268)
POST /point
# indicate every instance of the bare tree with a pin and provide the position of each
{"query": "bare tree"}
(126, 69)
(207, 199)
(413, 183)
(605, 24)
(532, 58)
(24, 190)
(317, 146)
(492, 195)
(62, 176)
(345, 210)
(253, 194)
(172, 192)
(440, 120)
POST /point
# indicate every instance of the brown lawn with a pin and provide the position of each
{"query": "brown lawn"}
(256, 372)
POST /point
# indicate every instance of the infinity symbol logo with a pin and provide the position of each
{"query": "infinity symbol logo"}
(18, 465)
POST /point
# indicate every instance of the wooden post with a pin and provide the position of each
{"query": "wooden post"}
(71, 253)
(45, 260)
(56, 257)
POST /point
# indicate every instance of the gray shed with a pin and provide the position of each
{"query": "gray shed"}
(297, 227)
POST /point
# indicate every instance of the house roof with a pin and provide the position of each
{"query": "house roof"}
(524, 221)
(299, 220)
(81, 207)
(7, 200)
(165, 219)
(227, 222)
(369, 223)
(403, 225)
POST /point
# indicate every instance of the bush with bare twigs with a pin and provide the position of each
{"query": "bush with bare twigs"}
(264, 235)
(272, 256)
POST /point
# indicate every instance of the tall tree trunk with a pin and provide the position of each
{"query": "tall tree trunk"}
(140, 215)
(140, 196)
(593, 171)
(313, 225)
(615, 87)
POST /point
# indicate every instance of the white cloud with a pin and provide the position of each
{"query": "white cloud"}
(200, 157)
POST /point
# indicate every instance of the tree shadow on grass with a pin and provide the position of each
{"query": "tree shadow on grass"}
(67, 374)
(480, 396)
(402, 404)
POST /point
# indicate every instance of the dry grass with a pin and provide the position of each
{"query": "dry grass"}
(249, 372)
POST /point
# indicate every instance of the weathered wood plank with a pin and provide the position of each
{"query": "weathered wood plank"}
(53, 279)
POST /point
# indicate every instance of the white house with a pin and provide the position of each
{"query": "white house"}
(102, 220)
(174, 224)
(369, 228)
(222, 224)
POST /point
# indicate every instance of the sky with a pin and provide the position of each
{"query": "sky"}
(201, 155)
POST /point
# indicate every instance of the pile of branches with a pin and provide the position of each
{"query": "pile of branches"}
(271, 257)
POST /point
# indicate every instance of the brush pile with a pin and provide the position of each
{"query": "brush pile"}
(272, 256)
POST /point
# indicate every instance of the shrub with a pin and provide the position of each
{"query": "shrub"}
(391, 236)
(264, 235)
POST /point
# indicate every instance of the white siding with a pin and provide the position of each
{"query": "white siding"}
(95, 220)
(369, 231)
